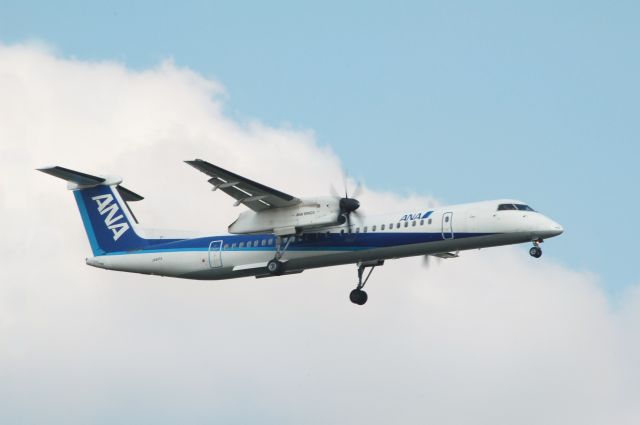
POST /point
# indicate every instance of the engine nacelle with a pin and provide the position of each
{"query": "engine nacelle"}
(310, 214)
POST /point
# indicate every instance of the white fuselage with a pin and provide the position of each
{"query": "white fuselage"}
(411, 233)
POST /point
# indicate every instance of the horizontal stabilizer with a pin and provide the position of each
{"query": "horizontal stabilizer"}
(76, 177)
(87, 180)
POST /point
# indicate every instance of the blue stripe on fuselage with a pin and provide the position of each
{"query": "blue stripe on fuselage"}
(309, 242)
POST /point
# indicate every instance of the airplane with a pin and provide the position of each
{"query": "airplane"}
(280, 234)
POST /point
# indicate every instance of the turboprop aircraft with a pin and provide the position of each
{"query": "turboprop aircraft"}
(281, 234)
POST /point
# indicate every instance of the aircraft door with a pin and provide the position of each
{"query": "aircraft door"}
(215, 254)
(447, 225)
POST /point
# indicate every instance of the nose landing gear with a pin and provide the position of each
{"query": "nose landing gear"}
(535, 250)
(358, 296)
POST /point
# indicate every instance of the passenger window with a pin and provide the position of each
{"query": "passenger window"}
(233, 245)
(241, 245)
(429, 222)
(264, 242)
(357, 230)
(226, 246)
(382, 227)
(342, 231)
(365, 229)
(398, 226)
(255, 243)
(406, 224)
(421, 222)
(373, 229)
(270, 241)
(413, 223)
(446, 219)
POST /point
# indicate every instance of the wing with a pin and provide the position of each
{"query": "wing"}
(254, 195)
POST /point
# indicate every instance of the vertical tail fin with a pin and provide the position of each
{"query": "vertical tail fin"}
(107, 219)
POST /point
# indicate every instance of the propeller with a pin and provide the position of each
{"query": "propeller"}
(427, 260)
(348, 204)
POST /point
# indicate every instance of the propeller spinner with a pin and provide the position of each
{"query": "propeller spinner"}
(348, 205)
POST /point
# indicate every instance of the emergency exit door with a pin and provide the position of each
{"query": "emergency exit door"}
(447, 225)
(215, 254)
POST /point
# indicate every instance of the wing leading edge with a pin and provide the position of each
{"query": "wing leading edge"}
(254, 195)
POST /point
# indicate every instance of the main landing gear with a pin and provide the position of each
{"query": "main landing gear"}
(358, 296)
(275, 266)
(535, 250)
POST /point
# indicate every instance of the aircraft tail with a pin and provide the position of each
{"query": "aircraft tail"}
(107, 218)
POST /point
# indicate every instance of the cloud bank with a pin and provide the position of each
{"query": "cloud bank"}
(492, 337)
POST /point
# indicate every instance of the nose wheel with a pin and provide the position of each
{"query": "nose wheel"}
(536, 251)
(358, 296)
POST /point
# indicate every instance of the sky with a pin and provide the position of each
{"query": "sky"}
(464, 101)
(421, 102)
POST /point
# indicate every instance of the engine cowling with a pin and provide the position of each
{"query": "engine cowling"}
(310, 214)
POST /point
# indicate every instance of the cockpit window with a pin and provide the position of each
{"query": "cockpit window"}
(519, 207)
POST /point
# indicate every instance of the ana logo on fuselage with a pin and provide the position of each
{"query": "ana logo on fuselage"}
(110, 208)
(416, 216)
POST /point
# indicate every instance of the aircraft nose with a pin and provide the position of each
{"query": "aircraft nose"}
(557, 229)
(551, 228)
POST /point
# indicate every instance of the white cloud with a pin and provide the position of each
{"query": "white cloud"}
(493, 337)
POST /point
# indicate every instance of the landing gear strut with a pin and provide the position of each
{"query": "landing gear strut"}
(535, 250)
(275, 266)
(358, 296)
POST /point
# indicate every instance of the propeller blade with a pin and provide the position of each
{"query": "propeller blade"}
(347, 204)
(334, 192)
(344, 183)
(427, 260)
(357, 191)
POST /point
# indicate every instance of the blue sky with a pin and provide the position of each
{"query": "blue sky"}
(461, 100)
